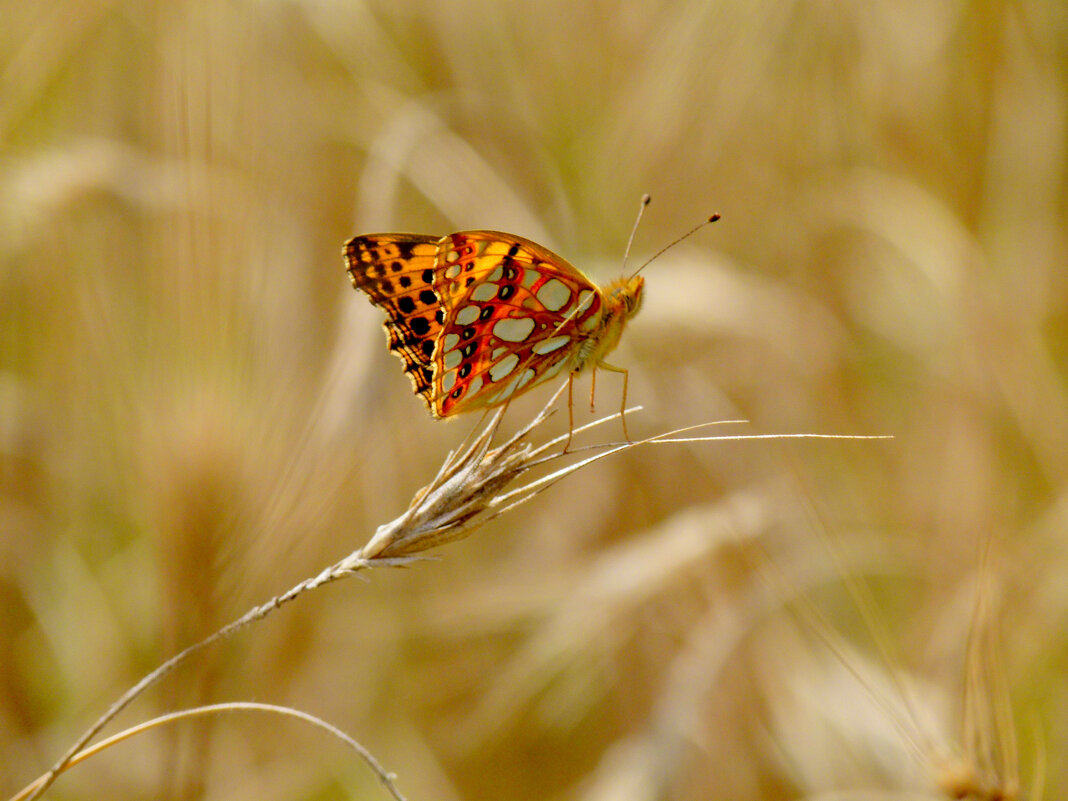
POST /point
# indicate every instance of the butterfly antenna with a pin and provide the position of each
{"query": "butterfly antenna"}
(669, 246)
(634, 230)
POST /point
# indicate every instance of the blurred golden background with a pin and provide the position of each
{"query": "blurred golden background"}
(197, 411)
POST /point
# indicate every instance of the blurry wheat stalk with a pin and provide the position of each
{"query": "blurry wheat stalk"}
(468, 491)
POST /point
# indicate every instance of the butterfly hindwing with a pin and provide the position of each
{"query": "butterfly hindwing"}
(515, 314)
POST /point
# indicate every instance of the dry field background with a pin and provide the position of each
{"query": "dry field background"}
(197, 411)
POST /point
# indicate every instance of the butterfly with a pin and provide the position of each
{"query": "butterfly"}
(480, 317)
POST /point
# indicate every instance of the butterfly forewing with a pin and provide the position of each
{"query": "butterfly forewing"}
(397, 271)
(515, 314)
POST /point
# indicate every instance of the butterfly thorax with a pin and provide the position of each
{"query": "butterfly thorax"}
(621, 300)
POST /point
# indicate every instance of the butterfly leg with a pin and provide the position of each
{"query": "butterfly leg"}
(570, 412)
(623, 407)
(593, 387)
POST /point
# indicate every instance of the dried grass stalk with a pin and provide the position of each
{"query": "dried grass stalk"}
(470, 489)
(467, 492)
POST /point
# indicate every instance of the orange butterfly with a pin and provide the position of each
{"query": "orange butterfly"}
(479, 317)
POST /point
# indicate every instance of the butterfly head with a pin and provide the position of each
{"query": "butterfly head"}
(625, 295)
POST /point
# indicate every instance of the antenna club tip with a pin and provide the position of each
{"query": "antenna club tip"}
(646, 200)
(713, 218)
